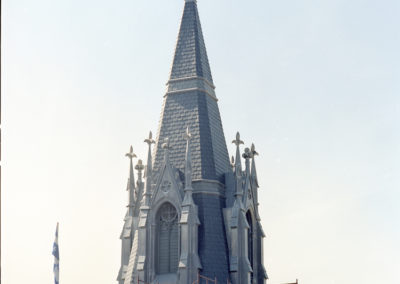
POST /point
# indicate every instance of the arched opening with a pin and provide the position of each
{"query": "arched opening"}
(250, 245)
(167, 239)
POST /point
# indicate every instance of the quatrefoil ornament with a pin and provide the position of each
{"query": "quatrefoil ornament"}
(165, 186)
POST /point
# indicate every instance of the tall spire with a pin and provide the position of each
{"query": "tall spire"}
(131, 182)
(190, 100)
(190, 68)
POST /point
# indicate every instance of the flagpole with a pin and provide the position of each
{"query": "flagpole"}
(56, 253)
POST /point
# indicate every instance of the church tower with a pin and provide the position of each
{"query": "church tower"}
(196, 212)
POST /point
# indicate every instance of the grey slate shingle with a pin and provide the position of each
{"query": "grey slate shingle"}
(213, 248)
(200, 112)
(194, 108)
(190, 58)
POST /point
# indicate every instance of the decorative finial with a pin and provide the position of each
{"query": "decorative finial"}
(188, 200)
(139, 166)
(148, 173)
(237, 141)
(253, 165)
(188, 135)
(247, 154)
(166, 144)
(130, 155)
(253, 150)
(150, 139)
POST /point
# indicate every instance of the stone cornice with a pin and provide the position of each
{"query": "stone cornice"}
(191, 90)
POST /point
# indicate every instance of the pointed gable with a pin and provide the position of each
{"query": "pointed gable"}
(168, 187)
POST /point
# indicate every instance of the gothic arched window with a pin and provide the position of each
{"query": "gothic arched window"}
(250, 250)
(167, 239)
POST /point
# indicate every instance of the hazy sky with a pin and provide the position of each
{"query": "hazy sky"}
(315, 84)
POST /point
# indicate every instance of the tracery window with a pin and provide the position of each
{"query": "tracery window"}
(167, 239)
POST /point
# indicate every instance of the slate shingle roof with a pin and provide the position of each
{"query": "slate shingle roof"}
(190, 55)
(193, 106)
(213, 248)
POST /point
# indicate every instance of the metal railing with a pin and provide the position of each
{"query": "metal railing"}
(142, 282)
(197, 281)
(207, 280)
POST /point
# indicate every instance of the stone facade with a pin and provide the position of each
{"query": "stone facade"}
(195, 211)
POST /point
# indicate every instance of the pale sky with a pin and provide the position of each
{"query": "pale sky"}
(315, 84)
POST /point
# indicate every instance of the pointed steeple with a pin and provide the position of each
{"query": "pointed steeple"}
(190, 68)
(190, 100)
(131, 182)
